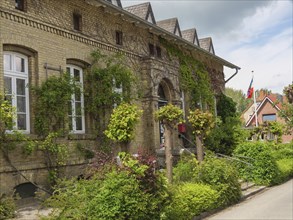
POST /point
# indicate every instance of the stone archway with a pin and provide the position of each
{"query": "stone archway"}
(165, 95)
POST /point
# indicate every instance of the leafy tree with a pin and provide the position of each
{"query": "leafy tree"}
(226, 107)
(122, 124)
(202, 123)
(239, 98)
(170, 116)
(228, 133)
(287, 108)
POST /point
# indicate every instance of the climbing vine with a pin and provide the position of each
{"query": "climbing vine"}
(51, 120)
(194, 77)
(51, 109)
(109, 82)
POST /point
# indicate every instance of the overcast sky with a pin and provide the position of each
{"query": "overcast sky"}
(255, 35)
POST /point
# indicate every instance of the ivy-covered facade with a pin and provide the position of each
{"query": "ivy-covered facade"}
(40, 40)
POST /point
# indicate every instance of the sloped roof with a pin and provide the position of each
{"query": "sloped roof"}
(207, 44)
(111, 8)
(190, 35)
(272, 100)
(115, 2)
(171, 25)
(143, 11)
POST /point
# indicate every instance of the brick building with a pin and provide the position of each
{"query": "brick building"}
(40, 38)
(268, 109)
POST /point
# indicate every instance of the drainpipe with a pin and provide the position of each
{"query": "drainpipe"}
(232, 75)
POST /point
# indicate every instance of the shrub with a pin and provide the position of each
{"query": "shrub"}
(282, 151)
(264, 170)
(119, 193)
(226, 136)
(7, 207)
(189, 200)
(286, 169)
(185, 169)
(223, 177)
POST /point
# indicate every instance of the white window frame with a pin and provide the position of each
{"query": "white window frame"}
(14, 75)
(73, 101)
(118, 90)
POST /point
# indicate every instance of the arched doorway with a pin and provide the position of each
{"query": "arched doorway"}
(162, 102)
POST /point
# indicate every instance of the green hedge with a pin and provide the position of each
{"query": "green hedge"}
(264, 170)
(286, 169)
(186, 169)
(220, 174)
(282, 151)
(113, 193)
(189, 200)
(223, 177)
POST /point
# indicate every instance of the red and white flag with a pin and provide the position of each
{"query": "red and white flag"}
(250, 90)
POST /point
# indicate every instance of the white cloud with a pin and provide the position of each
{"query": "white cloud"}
(265, 47)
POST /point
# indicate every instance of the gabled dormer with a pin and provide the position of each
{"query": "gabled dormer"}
(115, 2)
(171, 25)
(143, 11)
(191, 36)
(207, 44)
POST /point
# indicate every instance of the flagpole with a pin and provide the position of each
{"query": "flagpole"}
(255, 105)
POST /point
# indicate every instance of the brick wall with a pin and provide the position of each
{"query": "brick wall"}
(44, 32)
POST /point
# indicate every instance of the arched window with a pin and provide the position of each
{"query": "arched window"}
(76, 104)
(16, 88)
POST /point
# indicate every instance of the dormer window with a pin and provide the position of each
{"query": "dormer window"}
(19, 4)
(119, 36)
(77, 21)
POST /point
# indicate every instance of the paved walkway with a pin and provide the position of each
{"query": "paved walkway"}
(274, 203)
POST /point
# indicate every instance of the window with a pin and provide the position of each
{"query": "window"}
(269, 117)
(76, 104)
(117, 89)
(152, 49)
(16, 89)
(119, 37)
(159, 53)
(155, 51)
(19, 4)
(77, 21)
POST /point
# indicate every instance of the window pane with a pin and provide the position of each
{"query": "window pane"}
(19, 64)
(68, 70)
(70, 124)
(70, 108)
(77, 75)
(21, 105)
(20, 86)
(8, 85)
(78, 123)
(270, 117)
(21, 121)
(7, 62)
(78, 109)
(78, 95)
